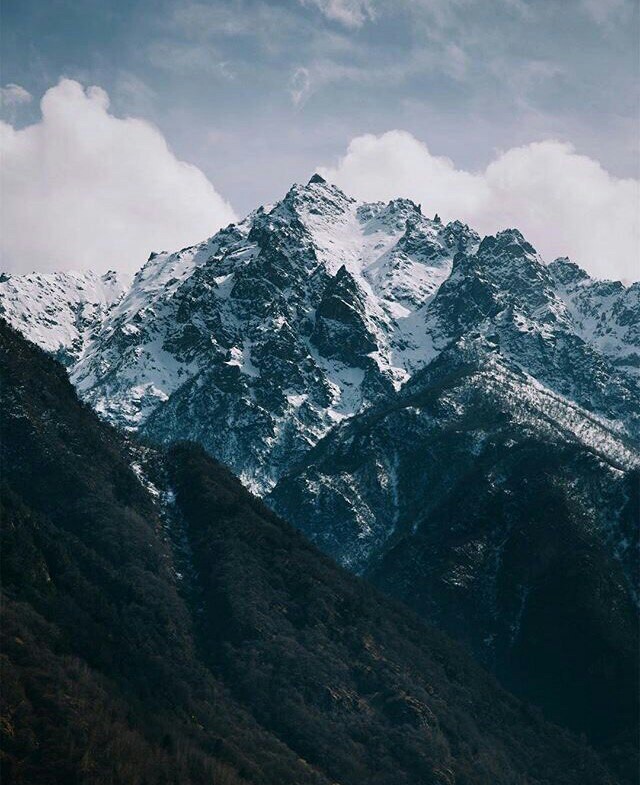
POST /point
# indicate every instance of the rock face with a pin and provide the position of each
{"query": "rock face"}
(258, 341)
(504, 513)
(604, 313)
(58, 311)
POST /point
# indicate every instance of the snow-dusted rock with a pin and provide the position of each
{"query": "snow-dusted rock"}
(58, 311)
(605, 314)
(258, 340)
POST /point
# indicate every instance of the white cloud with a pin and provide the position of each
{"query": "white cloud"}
(564, 203)
(14, 94)
(84, 189)
(350, 13)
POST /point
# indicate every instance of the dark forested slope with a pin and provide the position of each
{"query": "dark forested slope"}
(160, 625)
(102, 680)
(477, 505)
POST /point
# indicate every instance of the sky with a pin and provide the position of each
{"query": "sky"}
(134, 126)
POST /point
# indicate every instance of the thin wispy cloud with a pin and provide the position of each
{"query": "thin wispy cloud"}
(607, 12)
(350, 13)
(300, 86)
(183, 58)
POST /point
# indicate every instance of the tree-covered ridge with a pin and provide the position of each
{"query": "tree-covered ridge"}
(102, 680)
(265, 663)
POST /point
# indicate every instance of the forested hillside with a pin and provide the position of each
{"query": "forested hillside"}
(160, 625)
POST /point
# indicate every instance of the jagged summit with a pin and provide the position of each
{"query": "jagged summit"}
(312, 309)
(566, 271)
(509, 241)
(317, 197)
(154, 254)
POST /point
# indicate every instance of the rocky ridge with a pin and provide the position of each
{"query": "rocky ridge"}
(260, 340)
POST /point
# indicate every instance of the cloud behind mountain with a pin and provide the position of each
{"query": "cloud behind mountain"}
(83, 188)
(565, 203)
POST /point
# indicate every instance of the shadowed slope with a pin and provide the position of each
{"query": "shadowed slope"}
(161, 625)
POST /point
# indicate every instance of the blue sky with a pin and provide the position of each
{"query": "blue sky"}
(220, 78)
(258, 94)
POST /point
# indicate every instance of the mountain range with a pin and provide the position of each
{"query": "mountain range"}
(446, 415)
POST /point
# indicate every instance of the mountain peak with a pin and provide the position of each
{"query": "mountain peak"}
(317, 197)
(510, 241)
(566, 271)
(403, 205)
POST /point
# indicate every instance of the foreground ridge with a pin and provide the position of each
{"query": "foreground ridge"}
(161, 624)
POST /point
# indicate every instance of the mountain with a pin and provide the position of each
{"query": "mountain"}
(58, 311)
(260, 340)
(491, 510)
(160, 624)
(447, 415)
(505, 292)
(257, 341)
(497, 492)
(604, 313)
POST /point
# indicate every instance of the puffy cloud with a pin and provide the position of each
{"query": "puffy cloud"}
(566, 204)
(14, 94)
(84, 189)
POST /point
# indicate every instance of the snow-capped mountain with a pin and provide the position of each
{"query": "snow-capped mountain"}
(500, 510)
(604, 313)
(506, 293)
(497, 491)
(448, 415)
(377, 473)
(258, 340)
(58, 311)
